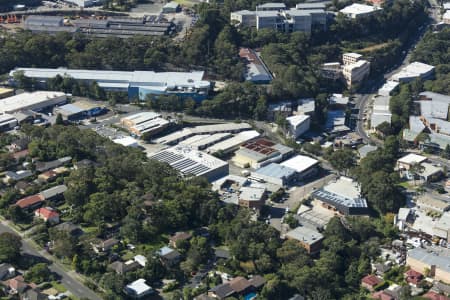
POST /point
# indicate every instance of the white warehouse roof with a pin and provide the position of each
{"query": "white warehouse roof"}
(189, 161)
(357, 9)
(413, 70)
(412, 159)
(35, 100)
(300, 163)
(127, 141)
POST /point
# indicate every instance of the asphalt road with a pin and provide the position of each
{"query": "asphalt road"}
(372, 87)
(68, 280)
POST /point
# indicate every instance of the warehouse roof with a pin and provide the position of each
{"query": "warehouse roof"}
(430, 258)
(189, 161)
(203, 129)
(151, 125)
(388, 87)
(343, 191)
(233, 142)
(306, 106)
(141, 117)
(339, 98)
(308, 6)
(69, 109)
(433, 202)
(415, 69)
(272, 5)
(434, 105)
(357, 8)
(305, 235)
(300, 163)
(126, 141)
(297, 120)
(251, 193)
(25, 100)
(210, 139)
(275, 170)
(412, 159)
(164, 80)
(172, 4)
(416, 124)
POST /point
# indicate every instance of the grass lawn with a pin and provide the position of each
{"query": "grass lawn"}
(58, 286)
(405, 184)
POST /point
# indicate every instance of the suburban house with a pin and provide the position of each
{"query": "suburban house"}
(169, 256)
(413, 277)
(54, 194)
(370, 282)
(123, 267)
(70, 228)
(6, 271)
(105, 246)
(141, 260)
(179, 236)
(237, 286)
(138, 289)
(42, 166)
(47, 214)
(17, 285)
(30, 202)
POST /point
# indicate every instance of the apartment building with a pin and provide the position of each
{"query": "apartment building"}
(356, 72)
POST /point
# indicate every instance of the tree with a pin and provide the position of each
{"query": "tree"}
(446, 153)
(343, 160)
(38, 273)
(59, 119)
(10, 245)
(385, 129)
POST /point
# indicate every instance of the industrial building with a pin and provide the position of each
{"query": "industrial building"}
(420, 259)
(256, 71)
(232, 144)
(388, 88)
(79, 110)
(136, 84)
(144, 123)
(118, 27)
(298, 125)
(171, 7)
(342, 196)
(306, 107)
(381, 112)
(260, 152)
(252, 197)
(202, 141)
(35, 101)
(356, 10)
(276, 174)
(6, 92)
(271, 6)
(305, 166)
(85, 3)
(412, 71)
(178, 136)
(189, 161)
(126, 141)
(7, 122)
(308, 238)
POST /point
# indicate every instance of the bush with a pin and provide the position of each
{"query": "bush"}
(381, 286)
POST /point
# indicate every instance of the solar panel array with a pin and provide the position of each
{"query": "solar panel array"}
(182, 164)
(333, 198)
(167, 157)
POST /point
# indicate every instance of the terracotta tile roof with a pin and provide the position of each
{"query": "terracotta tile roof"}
(20, 154)
(413, 276)
(46, 213)
(180, 236)
(382, 295)
(17, 283)
(371, 280)
(29, 201)
(435, 296)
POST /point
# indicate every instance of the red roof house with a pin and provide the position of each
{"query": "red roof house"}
(30, 201)
(413, 277)
(382, 295)
(47, 214)
(20, 154)
(17, 285)
(435, 296)
(370, 281)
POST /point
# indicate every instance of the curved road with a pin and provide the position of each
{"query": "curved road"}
(374, 85)
(72, 283)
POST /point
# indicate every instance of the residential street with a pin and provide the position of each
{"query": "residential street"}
(68, 280)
